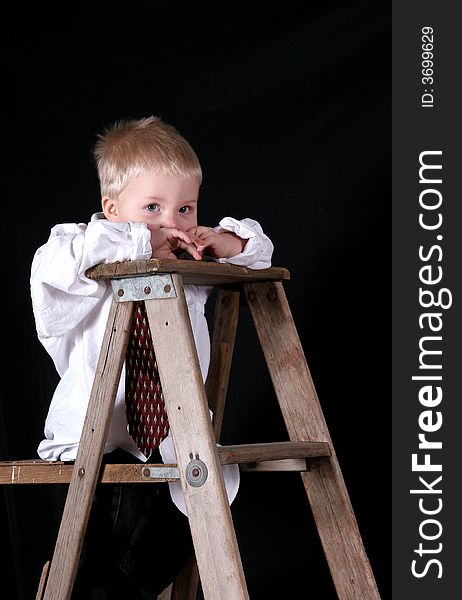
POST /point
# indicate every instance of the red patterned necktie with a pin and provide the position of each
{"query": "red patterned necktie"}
(146, 415)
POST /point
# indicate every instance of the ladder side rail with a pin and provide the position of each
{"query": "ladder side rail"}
(304, 419)
(87, 465)
(225, 320)
(207, 505)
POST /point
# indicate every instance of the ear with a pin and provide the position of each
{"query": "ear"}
(110, 208)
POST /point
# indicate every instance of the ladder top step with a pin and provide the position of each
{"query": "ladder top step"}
(192, 271)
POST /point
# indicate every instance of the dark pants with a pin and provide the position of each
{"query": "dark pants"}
(136, 540)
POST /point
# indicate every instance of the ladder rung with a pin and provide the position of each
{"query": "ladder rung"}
(298, 465)
(248, 453)
(43, 471)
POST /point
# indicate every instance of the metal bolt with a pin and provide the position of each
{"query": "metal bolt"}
(196, 473)
(120, 292)
(146, 472)
(81, 472)
(271, 295)
(147, 290)
(167, 288)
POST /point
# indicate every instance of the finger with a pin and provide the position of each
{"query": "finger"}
(192, 249)
(208, 236)
(178, 234)
(201, 231)
(189, 238)
(187, 241)
(197, 229)
(164, 253)
(205, 243)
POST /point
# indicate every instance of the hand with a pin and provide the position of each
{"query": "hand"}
(165, 240)
(219, 245)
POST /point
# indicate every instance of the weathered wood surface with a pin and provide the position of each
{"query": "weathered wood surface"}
(324, 484)
(43, 581)
(192, 271)
(209, 514)
(88, 462)
(221, 354)
(297, 465)
(187, 582)
(245, 453)
(225, 319)
(48, 472)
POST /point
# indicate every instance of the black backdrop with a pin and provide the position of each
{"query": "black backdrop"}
(288, 107)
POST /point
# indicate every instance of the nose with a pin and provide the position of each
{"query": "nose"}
(169, 220)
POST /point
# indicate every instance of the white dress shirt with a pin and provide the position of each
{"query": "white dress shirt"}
(71, 312)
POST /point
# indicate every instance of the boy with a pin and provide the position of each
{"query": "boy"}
(150, 178)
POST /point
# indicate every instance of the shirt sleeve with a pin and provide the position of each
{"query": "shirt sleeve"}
(62, 295)
(258, 249)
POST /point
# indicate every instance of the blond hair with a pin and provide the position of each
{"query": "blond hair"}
(131, 147)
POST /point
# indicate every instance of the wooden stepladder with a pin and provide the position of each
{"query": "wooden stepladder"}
(160, 283)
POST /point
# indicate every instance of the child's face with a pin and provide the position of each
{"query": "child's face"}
(157, 200)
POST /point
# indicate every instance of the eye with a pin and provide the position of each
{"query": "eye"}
(152, 208)
(184, 210)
